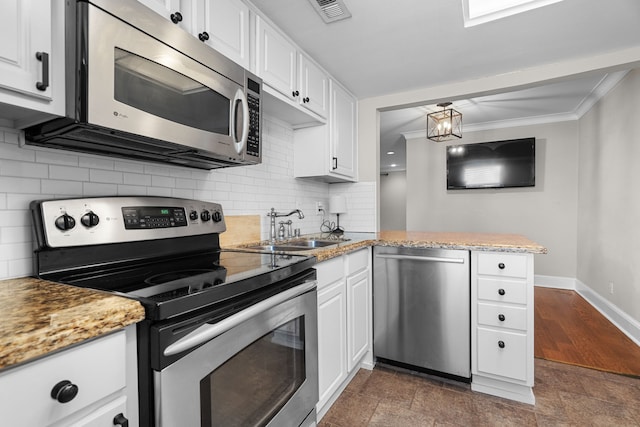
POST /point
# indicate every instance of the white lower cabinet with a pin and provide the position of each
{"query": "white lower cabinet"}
(92, 384)
(344, 322)
(502, 325)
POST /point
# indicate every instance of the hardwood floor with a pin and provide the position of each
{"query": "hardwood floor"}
(568, 329)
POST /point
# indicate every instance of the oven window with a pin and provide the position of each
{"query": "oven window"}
(250, 388)
(163, 92)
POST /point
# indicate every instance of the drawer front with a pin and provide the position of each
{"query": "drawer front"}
(97, 368)
(330, 271)
(502, 353)
(357, 261)
(502, 316)
(499, 264)
(500, 290)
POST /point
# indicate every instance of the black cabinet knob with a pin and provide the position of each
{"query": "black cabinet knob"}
(295, 93)
(306, 99)
(501, 344)
(501, 317)
(176, 17)
(65, 391)
(501, 291)
(501, 266)
(203, 36)
(120, 420)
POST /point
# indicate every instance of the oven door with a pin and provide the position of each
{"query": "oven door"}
(139, 85)
(257, 367)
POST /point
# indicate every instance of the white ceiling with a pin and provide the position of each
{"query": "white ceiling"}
(395, 46)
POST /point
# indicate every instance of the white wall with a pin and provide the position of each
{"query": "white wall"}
(609, 201)
(29, 173)
(393, 201)
(545, 213)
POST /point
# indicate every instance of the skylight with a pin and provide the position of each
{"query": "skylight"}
(482, 11)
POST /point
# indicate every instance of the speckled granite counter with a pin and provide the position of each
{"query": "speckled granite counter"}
(39, 317)
(421, 239)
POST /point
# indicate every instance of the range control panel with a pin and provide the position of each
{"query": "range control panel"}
(100, 220)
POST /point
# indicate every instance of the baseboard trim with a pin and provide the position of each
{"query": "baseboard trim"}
(625, 323)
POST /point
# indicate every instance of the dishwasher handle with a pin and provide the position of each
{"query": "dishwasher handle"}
(208, 332)
(421, 258)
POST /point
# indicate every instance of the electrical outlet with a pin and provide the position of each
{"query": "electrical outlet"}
(319, 208)
(611, 288)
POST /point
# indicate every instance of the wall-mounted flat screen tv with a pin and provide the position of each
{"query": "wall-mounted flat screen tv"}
(497, 164)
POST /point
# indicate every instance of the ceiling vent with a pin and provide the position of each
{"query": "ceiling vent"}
(331, 10)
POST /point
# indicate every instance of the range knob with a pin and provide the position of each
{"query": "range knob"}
(217, 216)
(65, 222)
(205, 216)
(193, 215)
(90, 219)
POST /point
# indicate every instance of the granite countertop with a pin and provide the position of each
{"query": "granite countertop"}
(417, 239)
(39, 317)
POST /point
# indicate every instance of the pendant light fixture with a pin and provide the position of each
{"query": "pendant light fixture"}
(444, 125)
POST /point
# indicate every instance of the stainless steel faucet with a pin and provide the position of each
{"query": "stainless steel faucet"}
(273, 215)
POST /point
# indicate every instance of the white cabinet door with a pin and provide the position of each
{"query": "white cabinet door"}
(105, 416)
(276, 60)
(224, 25)
(343, 132)
(314, 86)
(332, 352)
(358, 296)
(176, 11)
(25, 31)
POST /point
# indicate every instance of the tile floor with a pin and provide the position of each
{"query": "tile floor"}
(566, 395)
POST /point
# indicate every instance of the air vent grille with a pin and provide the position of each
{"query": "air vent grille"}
(331, 10)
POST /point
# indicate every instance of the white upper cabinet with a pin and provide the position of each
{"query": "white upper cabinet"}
(343, 132)
(288, 71)
(177, 11)
(314, 86)
(328, 152)
(224, 25)
(31, 58)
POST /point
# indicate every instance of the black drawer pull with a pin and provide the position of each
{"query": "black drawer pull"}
(501, 317)
(335, 163)
(501, 344)
(501, 266)
(64, 392)
(44, 58)
(501, 291)
(203, 36)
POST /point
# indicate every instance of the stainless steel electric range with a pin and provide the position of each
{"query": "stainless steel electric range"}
(230, 337)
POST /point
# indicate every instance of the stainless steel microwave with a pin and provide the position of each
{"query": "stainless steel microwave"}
(139, 87)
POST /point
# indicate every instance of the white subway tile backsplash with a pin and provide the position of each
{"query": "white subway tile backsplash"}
(23, 185)
(247, 190)
(96, 163)
(69, 173)
(106, 176)
(64, 188)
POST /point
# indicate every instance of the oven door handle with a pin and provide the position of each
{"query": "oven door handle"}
(208, 332)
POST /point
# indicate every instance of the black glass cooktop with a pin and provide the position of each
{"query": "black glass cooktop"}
(176, 285)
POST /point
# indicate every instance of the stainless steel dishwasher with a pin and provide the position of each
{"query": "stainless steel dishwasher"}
(422, 309)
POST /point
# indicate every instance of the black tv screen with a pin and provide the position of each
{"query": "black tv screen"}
(498, 164)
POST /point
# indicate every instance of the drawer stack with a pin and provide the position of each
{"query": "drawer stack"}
(502, 324)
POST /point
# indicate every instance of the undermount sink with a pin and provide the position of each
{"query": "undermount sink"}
(278, 248)
(312, 243)
(296, 245)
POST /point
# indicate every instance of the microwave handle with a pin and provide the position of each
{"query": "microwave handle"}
(241, 98)
(208, 332)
